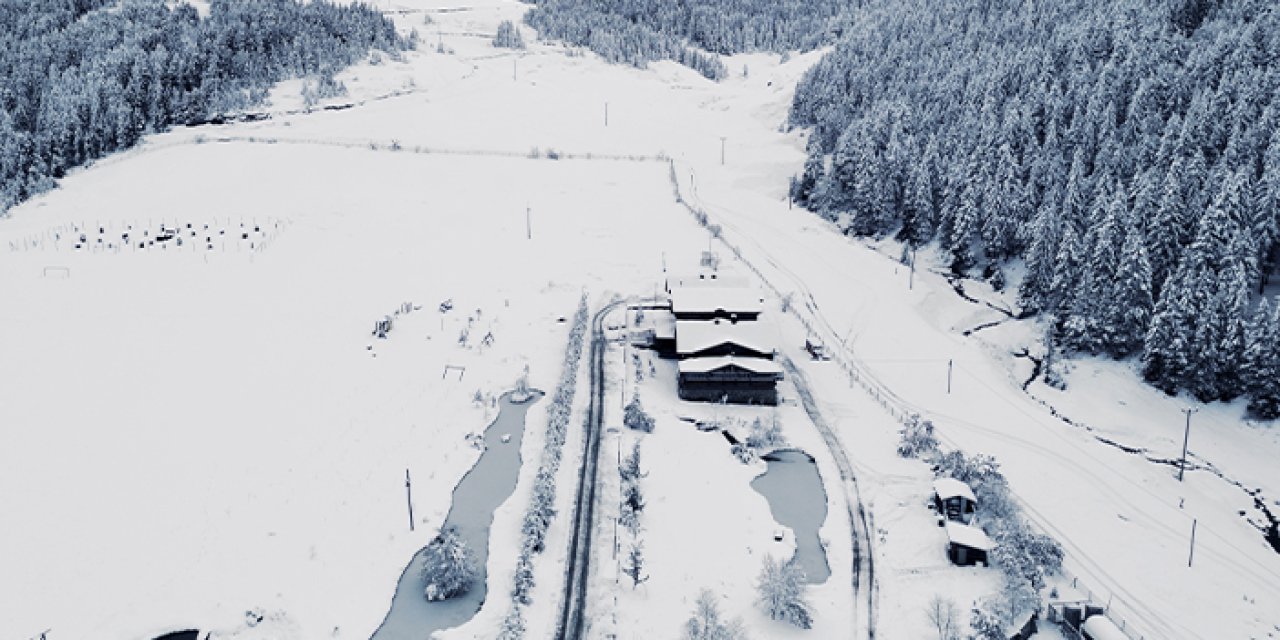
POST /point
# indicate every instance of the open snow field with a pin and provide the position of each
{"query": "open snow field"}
(194, 433)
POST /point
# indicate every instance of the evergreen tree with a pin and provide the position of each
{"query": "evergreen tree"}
(448, 566)
(1130, 304)
(781, 590)
(1262, 361)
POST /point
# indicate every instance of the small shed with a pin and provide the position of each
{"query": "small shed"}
(1023, 626)
(721, 338)
(954, 500)
(967, 545)
(729, 379)
(1100, 627)
(710, 303)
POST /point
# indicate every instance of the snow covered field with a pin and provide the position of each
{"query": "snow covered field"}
(191, 434)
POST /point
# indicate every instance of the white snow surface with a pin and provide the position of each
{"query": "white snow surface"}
(190, 434)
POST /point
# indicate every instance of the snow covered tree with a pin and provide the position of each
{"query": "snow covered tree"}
(765, 434)
(1262, 361)
(989, 619)
(448, 566)
(634, 416)
(635, 565)
(916, 438)
(508, 36)
(1130, 302)
(513, 627)
(706, 622)
(942, 614)
(781, 592)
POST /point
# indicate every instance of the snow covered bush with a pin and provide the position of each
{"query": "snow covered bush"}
(765, 434)
(989, 619)
(1024, 555)
(448, 566)
(635, 417)
(781, 592)
(508, 37)
(512, 626)
(635, 565)
(916, 439)
(705, 624)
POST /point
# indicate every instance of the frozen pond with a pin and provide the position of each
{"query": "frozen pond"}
(797, 500)
(488, 484)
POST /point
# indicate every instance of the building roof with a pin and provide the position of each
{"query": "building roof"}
(1102, 628)
(705, 278)
(662, 322)
(693, 336)
(707, 365)
(952, 488)
(967, 536)
(713, 299)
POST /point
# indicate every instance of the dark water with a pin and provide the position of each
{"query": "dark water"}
(797, 500)
(489, 483)
(190, 634)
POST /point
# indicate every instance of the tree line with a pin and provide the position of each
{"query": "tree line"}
(694, 34)
(80, 79)
(1118, 160)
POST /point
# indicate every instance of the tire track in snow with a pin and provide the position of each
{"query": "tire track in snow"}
(571, 620)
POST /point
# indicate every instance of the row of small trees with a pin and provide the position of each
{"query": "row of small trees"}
(541, 511)
(1025, 558)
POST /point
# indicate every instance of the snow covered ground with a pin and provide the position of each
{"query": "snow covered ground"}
(191, 434)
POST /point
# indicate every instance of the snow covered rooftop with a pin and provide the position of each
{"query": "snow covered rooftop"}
(1100, 627)
(719, 278)
(967, 536)
(705, 365)
(693, 336)
(701, 299)
(952, 488)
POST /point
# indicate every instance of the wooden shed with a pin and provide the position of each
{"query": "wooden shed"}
(729, 379)
(954, 500)
(967, 545)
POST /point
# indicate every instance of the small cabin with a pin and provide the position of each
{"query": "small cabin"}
(967, 545)
(720, 338)
(954, 500)
(1100, 627)
(729, 379)
(712, 303)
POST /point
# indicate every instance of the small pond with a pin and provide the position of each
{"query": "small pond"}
(489, 483)
(190, 634)
(797, 500)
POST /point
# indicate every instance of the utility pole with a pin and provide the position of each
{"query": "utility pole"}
(528, 223)
(722, 139)
(408, 488)
(606, 113)
(911, 277)
(950, 365)
(515, 68)
(1186, 435)
(1193, 543)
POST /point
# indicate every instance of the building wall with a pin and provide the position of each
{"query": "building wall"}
(765, 393)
